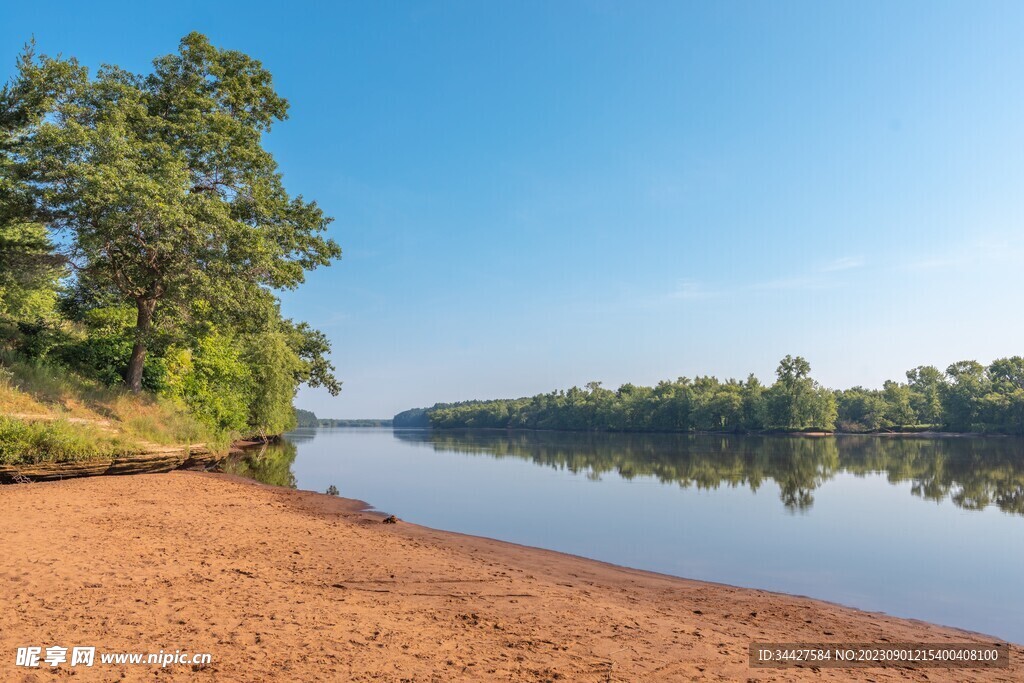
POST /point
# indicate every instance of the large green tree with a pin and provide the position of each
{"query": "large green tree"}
(29, 268)
(796, 401)
(162, 187)
(964, 394)
(1005, 402)
(927, 385)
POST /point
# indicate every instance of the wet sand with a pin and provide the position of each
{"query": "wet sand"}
(282, 585)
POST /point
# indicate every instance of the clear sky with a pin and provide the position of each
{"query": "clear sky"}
(532, 195)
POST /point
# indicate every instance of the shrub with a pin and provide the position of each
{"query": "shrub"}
(274, 366)
(54, 441)
(213, 381)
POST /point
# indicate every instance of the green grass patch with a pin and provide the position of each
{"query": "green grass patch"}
(57, 415)
(23, 442)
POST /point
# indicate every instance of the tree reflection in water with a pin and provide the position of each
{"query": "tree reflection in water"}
(971, 472)
(270, 463)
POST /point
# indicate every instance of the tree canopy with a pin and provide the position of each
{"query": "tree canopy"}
(161, 188)
(145, 231)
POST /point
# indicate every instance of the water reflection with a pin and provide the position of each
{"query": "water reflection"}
(972, 473)
(269, 463)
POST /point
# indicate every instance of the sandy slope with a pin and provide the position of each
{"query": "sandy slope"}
(295, 586)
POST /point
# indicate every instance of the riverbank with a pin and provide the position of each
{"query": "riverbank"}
(278, 584)
(922, 434)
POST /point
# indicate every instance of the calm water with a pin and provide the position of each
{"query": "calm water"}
(923, 528)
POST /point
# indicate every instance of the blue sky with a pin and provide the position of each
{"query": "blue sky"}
(532, 195)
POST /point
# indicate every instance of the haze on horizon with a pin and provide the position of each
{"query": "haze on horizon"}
(532, 196)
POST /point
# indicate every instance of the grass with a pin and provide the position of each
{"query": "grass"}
(55, 415)
(23, 442)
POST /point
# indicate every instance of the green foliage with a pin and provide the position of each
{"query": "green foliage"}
(165, 193)
(898, 399)
(177, 228)
(274, 365)
(963, 395)
(312, 348)
(797, 402)
(700, 404)
(103, 344)
(969, 397)
(414, 418)
(213, 381)
(54, 441)
(358, 422)
(926, 385)
(48, 394)
(306, 418)
(861, 410)
(1003, 405)
(29, 272)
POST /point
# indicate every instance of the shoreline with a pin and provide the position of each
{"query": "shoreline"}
(278, 582)
(156, 459)
(928, 434)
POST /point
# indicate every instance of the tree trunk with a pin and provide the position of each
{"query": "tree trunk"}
(133, 376)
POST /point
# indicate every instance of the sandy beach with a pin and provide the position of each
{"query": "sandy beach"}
(288, 585)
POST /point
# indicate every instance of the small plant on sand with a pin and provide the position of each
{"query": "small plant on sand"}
(332, 490)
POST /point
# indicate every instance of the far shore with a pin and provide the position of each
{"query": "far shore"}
(279, 584)
(927, 434)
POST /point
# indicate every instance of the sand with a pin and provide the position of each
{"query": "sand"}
(281, 585)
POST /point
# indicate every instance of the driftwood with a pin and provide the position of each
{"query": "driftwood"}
(158, 459)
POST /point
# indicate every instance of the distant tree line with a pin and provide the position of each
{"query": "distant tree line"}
(967, 397)
(419, 418)
(358, 422)
(309, 420)
(306, 418)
